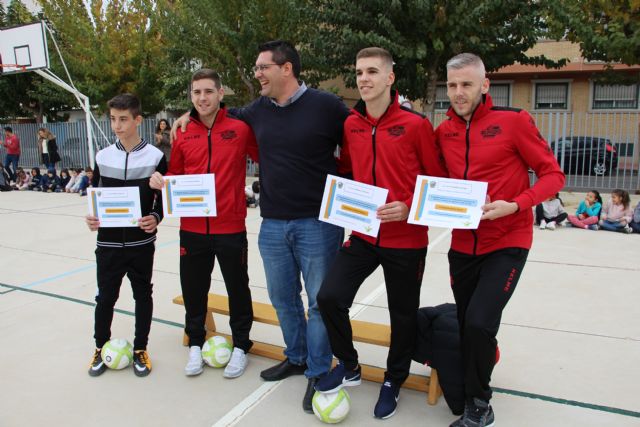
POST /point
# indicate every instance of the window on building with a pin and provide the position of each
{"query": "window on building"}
(551, 96)
(612, 97)
(500, 94)
(442, 100)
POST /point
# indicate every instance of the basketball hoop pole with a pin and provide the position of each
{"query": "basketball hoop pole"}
(84, 102)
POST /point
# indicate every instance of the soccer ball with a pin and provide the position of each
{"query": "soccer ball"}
(117, 353)
(216, 352)
(331, 408)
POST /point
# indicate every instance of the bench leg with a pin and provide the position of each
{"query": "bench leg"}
(209, 326)
(435, 391)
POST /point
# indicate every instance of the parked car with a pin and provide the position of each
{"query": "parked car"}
(586, 155)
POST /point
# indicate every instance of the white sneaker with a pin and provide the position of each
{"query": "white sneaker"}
(543, 224)
(551, 225)
(628, 229)
(565, 223)
(236, 365)
(195, 364)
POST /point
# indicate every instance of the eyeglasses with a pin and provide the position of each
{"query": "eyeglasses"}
(263, 67)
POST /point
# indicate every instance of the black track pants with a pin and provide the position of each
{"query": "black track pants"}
(403, 270)
(112, 265)
(482, 286)
(197, 258)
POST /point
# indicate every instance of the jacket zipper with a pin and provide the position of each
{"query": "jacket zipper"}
(373, 147)
(126, 166)
(466, 170)
(206, 218)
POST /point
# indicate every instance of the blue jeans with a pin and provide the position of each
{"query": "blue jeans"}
(12, 159)
(290, 248)
(611, 225)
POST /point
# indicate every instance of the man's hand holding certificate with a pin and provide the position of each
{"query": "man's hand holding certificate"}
(353, 205)
(188, 195)
(448, 203)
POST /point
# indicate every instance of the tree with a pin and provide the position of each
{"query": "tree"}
(224, 35)
(110, 48)
(607, 30)
(423, 34)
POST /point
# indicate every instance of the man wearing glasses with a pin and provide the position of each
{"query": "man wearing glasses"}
(298, 130)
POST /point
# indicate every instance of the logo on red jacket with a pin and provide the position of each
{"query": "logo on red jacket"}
(229, 134)
(183, 251)
(491, 131)
(396, 131)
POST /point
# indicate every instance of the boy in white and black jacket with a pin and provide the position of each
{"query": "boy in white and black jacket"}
(126, 250)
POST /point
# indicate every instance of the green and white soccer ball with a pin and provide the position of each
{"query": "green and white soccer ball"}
(216, 352)
(331, 408)
(117, 353)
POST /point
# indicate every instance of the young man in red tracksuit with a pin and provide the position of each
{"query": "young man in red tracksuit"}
(496, 145)
(214, 142)
(387, 146)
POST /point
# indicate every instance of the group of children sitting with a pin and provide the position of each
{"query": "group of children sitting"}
(592, 214)
(69, 181)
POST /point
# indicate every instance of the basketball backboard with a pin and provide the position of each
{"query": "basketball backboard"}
(23, 48)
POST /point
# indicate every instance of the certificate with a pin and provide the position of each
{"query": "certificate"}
(115, 206)
(445, 202)
(189, 195)
(351, 204)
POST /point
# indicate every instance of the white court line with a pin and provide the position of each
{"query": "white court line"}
(245, 406)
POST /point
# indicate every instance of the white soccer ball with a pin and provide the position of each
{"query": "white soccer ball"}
(216, 352)
(331, 408)
(117, 353)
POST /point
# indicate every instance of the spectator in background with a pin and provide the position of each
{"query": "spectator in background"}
(73, 178)
(23, 180)
(85, 181)
(48, 148)
(12, 144)
(252, 194)
(163, 137)
(616, 213)
(64, 180)
(551, 212)
(588, 212)
(35, 179)
(635, 223)
(4, 180)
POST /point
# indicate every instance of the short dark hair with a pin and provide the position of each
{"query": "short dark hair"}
(283, 51)
(126, 101)
(8, 129)
(376, 52)
(207, 73)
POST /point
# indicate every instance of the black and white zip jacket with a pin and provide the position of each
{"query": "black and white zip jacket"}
(115, 167)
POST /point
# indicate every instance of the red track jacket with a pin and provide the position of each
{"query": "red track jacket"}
(390, 154)
(497, 146)
(221, 150)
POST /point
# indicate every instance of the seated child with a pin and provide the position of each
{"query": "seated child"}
(635, 224)
(551, 212)
(252, 194)
(588, 212)
(617, 213)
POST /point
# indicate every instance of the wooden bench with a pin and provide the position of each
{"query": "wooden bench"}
(365, 332)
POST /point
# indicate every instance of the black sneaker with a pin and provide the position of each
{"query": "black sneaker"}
(476, 414)
(307, 400)
(387, 401)
(97, 366)
(283, 370)
(339, 377)
(141, 363)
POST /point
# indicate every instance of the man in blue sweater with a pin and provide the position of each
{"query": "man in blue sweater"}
(298, 130)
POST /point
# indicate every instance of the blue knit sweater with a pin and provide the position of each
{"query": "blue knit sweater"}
(297, 144)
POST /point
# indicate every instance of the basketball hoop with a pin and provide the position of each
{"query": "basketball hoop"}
(15, 68)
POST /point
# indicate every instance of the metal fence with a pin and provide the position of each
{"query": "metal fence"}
(596, 150)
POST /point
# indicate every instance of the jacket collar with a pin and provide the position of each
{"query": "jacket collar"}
(361, 108)
(138, 147)
(481, 110)
(222, 113)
